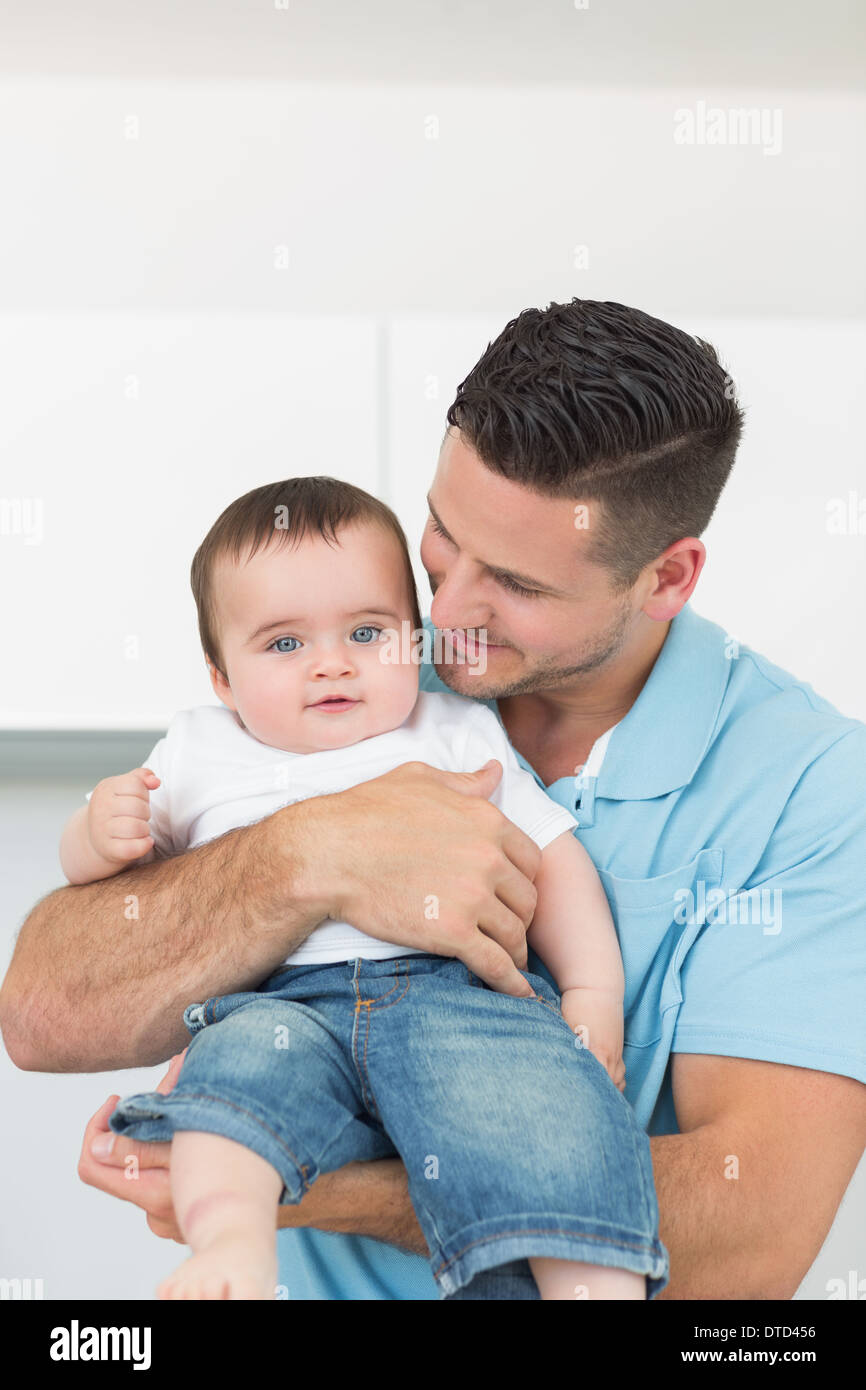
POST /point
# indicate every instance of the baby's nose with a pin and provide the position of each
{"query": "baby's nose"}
(331, 663)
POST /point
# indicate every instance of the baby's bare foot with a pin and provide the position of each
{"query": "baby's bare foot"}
(230, 1268)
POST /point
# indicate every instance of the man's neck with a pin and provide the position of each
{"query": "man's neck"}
(556, 729)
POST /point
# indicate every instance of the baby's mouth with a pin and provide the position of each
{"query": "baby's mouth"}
(334, 704)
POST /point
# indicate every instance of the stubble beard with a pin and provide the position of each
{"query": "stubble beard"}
(548, 673)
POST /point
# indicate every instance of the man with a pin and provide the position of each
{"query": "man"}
(720, 798)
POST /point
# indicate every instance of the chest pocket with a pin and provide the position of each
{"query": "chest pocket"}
(657, 920)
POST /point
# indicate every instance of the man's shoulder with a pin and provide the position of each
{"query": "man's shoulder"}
(775, 739)
(767, 702)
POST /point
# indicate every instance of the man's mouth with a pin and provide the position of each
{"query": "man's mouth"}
(470, 643)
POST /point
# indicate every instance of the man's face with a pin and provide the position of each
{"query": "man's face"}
(501, 535)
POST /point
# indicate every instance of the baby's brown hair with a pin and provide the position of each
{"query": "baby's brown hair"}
(288, 510)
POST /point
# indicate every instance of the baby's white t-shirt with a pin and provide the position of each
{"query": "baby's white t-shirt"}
(216, 776)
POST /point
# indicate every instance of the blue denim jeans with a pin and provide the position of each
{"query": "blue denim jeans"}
(514, 1137)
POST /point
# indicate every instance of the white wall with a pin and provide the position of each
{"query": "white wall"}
(207, 285)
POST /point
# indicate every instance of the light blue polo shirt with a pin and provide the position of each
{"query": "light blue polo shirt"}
(728, 825)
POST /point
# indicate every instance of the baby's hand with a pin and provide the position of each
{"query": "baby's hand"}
(118, 815)
(596, 1017)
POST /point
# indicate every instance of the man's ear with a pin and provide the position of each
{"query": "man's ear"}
(221, 687)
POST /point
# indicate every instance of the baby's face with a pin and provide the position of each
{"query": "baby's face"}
(300, 624)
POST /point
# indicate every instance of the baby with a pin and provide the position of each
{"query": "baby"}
(506, 1111)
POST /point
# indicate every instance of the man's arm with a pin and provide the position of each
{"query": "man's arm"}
(362, 1199)
(102, 972)
(797, 1136)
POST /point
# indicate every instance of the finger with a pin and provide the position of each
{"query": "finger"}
(124, 851)
(165, 1229)
(501, 924)
(111, 1150)
(137, 783)
(125, 804)
(487, 959)
(481, 782)
(521, 850)
(149, 1189)
(127, 827)
(518, 893)
(120, 844)
(144, 775)
(169, 1081)
(90, 1166)
(98, 1123)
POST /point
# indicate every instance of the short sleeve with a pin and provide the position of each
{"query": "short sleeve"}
(517, 795)
(780, 974)
(160, 819)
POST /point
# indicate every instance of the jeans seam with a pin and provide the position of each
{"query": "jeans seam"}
(648, 1214)
(367, 1006)
(548, 1231)
(554, 1008)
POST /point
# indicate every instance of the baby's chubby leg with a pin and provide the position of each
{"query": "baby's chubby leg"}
(561, 1279)
(225, 1198)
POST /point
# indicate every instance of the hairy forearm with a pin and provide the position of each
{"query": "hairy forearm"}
(362, 1199)
(714, 1224)
(101, 973)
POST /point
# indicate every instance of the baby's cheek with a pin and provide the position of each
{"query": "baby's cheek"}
(273, 710)
(406, 691)
(396, 690)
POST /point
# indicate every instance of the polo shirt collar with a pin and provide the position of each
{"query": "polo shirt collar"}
(658, 746)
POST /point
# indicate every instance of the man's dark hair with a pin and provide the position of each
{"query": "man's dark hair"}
(285, 512)
(598, 402)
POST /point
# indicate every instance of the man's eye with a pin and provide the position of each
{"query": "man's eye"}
(276, 645)
(516, 588)
(368, 634)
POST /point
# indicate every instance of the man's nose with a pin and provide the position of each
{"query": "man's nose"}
(456, 603)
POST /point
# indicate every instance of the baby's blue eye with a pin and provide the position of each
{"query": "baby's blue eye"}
(276, 647)
(370, 634)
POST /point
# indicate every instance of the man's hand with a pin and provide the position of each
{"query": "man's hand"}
(420, 857)
(146, 1183)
